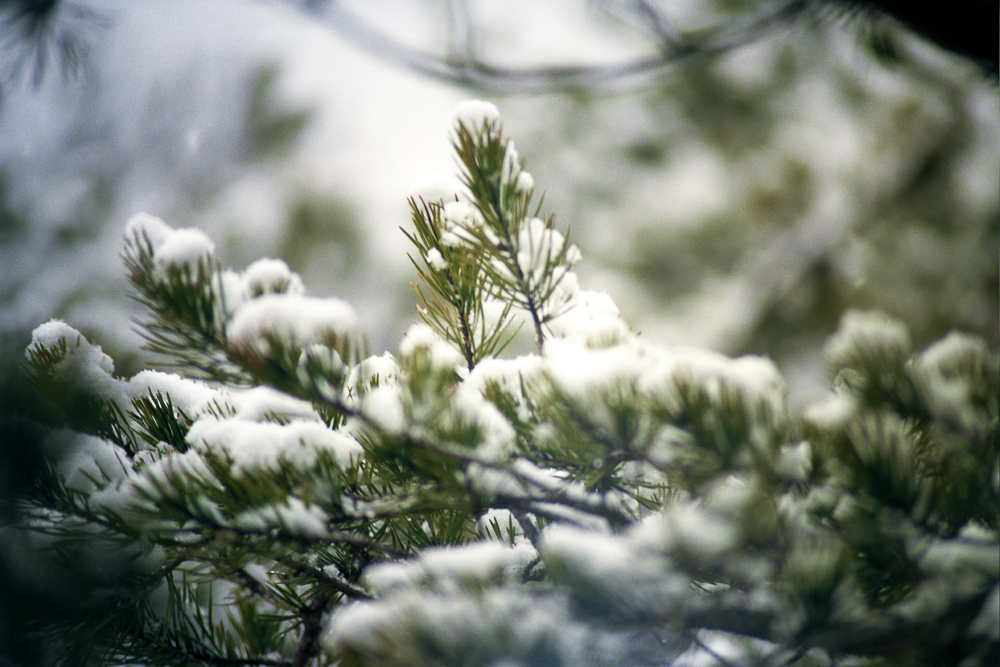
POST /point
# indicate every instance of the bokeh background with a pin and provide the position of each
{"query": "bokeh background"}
(799, 160)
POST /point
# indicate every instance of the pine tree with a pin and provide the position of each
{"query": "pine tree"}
(281, 497)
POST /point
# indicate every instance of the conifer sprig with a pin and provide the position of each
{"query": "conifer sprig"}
(187, 309)
(457, 292)
(524, 258)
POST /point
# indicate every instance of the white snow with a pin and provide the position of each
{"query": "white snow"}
(183, 246)
(270, 276)
(602, 556)
(725, 646)
(475, 114)
(579, 371)
(85, 365)
(620, 570)
(252, 446)
(509, 374)
(871, 334)
(186, 395)
(756, 379)
(261, 403)
(498, 435)
(504, 519)
(944, 371)
(832, 412)
(591, 317)
(537, 247)
(448, 568)
(384, 405)
(232, 290)
(374, 371)
(52, 333)
(171, 247)
(511, 160)
(525, 182)
(293, 515)
(296, 321)
(463, 214)
(85, 462)
(703, 534)
(436, 259)
(441, 353)
(149, 226)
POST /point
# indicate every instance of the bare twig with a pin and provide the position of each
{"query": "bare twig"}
(471, 71)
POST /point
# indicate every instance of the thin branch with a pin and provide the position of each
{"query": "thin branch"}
(709, 650)
(259, 589)
(346, 588)
(544, 79)
(311, 627)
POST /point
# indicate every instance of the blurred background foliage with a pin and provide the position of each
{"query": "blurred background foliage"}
(738, 173)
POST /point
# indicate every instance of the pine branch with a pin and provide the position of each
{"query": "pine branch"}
(341, 586)
(188, 311)
(451, 267)
(856, 530)
(524, 258)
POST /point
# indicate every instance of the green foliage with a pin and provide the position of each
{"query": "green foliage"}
(187, 310)
(288, 500)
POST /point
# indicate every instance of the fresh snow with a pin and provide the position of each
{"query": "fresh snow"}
(462, 213)
(294, 516)
(267, 404)
(85, 462)
(589, 317)
(84, 364)
(436, 260)
(374, 371)
(183, 246)
(448, 567)
(144, 225)
(441, 353)
(187, 395)
(384, 405)
(525, 182)
(293, 320)
(475, 114)
(870, 334)
(270, 276)
(253, 446)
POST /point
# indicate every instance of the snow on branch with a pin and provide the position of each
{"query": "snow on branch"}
(603, 500)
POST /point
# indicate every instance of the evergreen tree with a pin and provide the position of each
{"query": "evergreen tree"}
(281, 497)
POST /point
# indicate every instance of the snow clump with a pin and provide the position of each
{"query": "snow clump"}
(450, 568)
(476, 114)
(436, 260)
(867, 338)
(270, 276)
(421, 338)
(172, 248)
(252, 446)
(85, 365)
(292, 320)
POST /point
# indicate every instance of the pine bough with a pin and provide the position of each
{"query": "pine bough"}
(283, 498)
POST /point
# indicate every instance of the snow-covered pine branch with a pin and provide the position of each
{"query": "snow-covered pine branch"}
(283, 498)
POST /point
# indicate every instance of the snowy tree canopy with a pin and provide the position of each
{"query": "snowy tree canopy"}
(283, 497)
